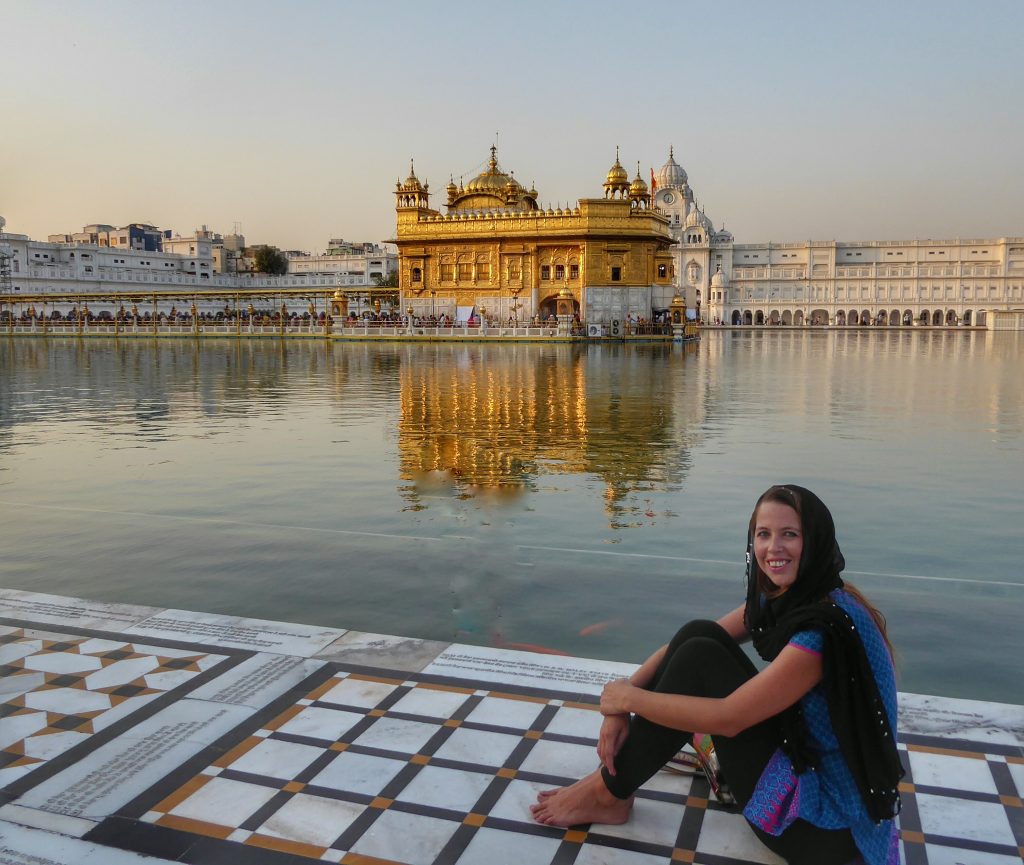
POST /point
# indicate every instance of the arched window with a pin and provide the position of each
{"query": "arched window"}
(417, 275)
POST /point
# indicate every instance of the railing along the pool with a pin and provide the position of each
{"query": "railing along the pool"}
(307, 327)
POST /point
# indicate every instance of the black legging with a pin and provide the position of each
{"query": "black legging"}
(704, 661)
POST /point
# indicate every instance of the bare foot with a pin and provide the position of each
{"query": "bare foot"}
(586, 801)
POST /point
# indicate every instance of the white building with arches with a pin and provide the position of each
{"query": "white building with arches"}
(977, 281)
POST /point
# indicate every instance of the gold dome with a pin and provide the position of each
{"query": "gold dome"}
(492, 188)
(617, 183)
(493, 179)
(412, 181)
(638, 186)
(617, 174)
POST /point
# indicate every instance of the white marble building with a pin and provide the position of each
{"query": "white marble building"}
(368, 260)
(896, 283)
(40, 268)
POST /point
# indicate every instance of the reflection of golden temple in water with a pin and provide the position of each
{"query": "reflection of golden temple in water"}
(496, 423)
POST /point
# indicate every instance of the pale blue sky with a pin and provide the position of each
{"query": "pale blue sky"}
(794, 120)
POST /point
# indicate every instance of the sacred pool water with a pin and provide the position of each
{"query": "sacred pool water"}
(585, 499)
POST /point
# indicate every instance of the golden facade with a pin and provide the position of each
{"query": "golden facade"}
(496, 250)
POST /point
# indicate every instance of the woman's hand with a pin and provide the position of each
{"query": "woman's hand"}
(614, 697)
(614, 730)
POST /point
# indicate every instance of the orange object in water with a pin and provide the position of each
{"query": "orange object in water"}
(501, 643)
(599, 627)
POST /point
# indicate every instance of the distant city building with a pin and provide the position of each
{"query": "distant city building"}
(197, 251)
(138, 236)
(362, 260)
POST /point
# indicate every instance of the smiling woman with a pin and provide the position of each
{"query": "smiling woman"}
(807, 745)
(778, 543)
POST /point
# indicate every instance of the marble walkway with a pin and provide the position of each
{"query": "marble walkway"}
(130, 734)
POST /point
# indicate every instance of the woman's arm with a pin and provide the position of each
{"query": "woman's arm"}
(791, 675)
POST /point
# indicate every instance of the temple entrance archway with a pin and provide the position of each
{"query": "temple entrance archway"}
(736, 317)
(549, 307)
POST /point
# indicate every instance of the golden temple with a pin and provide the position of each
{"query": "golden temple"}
(496, 252)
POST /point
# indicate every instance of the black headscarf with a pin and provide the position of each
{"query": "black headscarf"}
(861, 725)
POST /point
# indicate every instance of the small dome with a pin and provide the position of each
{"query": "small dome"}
(696, 219)
(671, 173)
(639, 186)
(617, 174)
(616, 185)
(412, 181)
(719, 280)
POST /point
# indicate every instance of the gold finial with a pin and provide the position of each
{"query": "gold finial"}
(494, 159)
(616, 154)
(670, 156)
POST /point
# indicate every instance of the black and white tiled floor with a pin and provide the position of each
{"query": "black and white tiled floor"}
(128, 733)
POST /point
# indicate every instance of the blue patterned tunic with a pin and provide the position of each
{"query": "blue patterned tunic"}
(827, 796)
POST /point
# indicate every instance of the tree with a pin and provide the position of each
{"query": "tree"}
(389, 281)
(270, 259)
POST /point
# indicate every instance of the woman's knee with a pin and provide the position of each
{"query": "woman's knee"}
(701, 666)
(698, 628)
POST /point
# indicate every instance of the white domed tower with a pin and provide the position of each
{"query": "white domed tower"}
(672, 194)
(673, 197)
(716, 308)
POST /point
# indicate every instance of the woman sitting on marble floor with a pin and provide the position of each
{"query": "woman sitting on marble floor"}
(806, 745)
